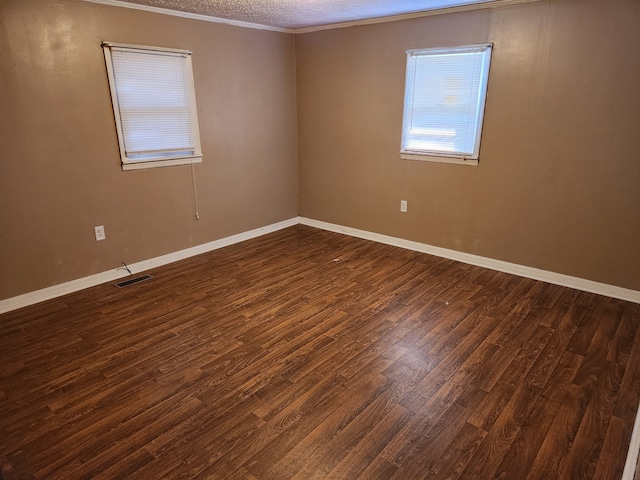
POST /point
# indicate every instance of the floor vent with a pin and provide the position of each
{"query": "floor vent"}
(133, 281)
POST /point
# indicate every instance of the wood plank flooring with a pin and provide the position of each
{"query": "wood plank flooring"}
(305, 354)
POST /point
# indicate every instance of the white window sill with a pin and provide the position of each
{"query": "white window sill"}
(438, 158)
(161, 163)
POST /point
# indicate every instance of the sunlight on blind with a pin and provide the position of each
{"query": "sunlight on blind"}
(444, 100)
(154, 103)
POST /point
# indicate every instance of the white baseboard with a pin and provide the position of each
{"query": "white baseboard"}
(48, 293)
(513, 268)
(550, 277)
(215, 245)
(633, 452)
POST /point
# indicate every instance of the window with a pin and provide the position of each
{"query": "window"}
(154, 105)
(444, 101)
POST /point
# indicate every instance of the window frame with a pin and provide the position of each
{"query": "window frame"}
(443, 156)
(160, 160)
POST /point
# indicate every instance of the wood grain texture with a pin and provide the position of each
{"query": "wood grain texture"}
(306, 354)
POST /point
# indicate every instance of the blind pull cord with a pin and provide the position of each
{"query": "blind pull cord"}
(195, 191)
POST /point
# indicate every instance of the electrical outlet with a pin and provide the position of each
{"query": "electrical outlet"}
(403, 206)
(100, 235)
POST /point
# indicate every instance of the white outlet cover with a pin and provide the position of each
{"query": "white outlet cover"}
(100, 234)
(403, 205)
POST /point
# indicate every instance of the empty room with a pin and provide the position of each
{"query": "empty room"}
(287, 239)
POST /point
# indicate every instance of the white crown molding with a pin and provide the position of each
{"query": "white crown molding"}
(408, 16)
(192, 16)
(55, 291)
(369, 21)
(499, 265)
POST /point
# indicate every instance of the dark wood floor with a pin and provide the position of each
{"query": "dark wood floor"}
(306, 354)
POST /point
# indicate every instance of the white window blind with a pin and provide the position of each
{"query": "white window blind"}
(154, 105)
(445, 95)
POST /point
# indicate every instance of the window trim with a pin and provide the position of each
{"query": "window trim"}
(161, 161)
(441, 156)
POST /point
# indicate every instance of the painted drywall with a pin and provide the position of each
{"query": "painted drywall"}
(60, 173)
(556, 188)
(558, 184)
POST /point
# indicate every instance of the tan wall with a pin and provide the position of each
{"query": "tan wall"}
(558, 185)
(60, 173)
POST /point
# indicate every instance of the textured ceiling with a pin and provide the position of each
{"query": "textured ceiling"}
(294, 14)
